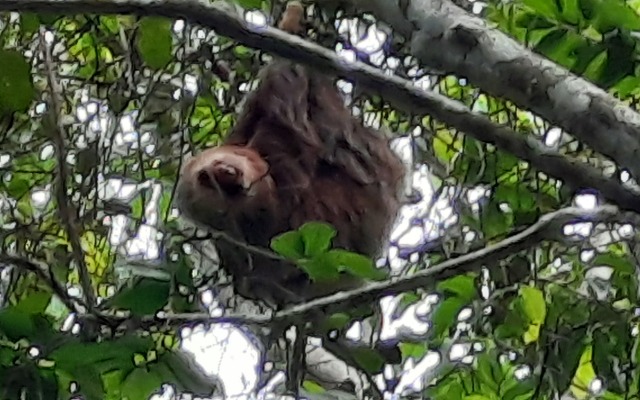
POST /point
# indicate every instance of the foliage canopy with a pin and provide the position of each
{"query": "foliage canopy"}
(127, 95)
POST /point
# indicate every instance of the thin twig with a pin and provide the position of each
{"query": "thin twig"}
(68, 212)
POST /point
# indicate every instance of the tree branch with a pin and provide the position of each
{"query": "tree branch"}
(447, 38)
(548, 227)
(68, 212)
(400, 93)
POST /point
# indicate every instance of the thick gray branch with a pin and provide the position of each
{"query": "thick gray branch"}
(399, 92)
(446, 38)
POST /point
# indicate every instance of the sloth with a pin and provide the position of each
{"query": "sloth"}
(295, 155)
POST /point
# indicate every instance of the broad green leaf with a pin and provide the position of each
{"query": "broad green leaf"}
(145, 296)
(519, 197)
(111, 23)
(561, 46)
(619, 262)
(241, 51)
(369, 359)
(155, 41)
(450, 388)
(626, 87)
(141, 384)
(413, 350)
(85, 50)
(336, 321)
(89, 381)
(495, 222)
(489, 371)
(479, 397)
(547, 8)
(33, 382)
(571, 12)
(514, 388)
(16, 86)
(463, 286)
(26, 320)
(607, 15)
(30, 23)
(514, 326)
(584, 374)
(354, 263)
(532, 334)
(289, 245)
(533, 304)
(312, 387)
(104, 356)
(320, 268)
(446, 146)
(34, 303)
(446, 315)
(16, 325)
(250, 4)
(317, 237)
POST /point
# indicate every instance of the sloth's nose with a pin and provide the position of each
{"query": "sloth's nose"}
(221, 176)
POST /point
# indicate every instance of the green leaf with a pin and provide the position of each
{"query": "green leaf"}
(336, 321)
(414, 350)
(25, 320)
(478, 397)
(495, 222)
(81, 353)
(320, 268)
(242, 52)
(289, 245)
(489, 371)
(140, 384)
(533, 304)
(450, 388)
(155, 41)
(145, 296)
(445, 315)
(513, 326)
(317, 237)
(312, 387)
(249, 4)
(89, 382)
(354, 264)
(547, 8)
(463, 286)
(369, 359)
(514, 388)
(618, 262)
(30, 23)
(16, 325)
(607, 15)
(34, 303)
(16, 87)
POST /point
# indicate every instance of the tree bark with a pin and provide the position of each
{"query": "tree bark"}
(446, 38)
